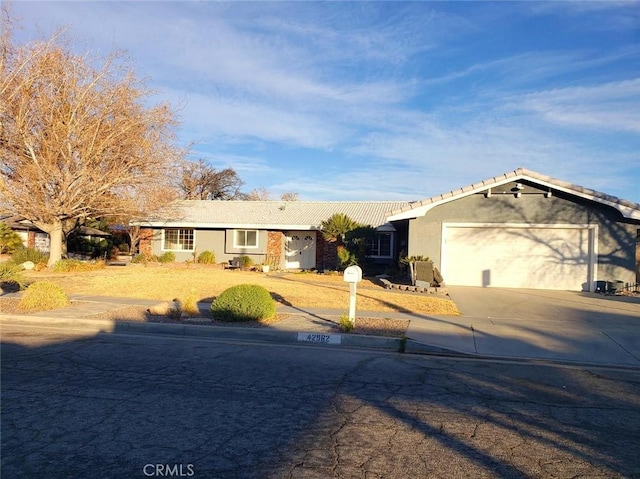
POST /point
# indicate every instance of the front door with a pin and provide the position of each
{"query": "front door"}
(300, 250)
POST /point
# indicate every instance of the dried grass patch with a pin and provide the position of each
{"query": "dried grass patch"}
(305, 290)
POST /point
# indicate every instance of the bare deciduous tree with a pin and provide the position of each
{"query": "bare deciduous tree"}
(148, 201)
(77, 141)
(262, 194)
(289, 196)
(200, 181)
(258, 194)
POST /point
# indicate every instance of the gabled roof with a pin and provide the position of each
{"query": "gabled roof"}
(628, 209)
(281, 215)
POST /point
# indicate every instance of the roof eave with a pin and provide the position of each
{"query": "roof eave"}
(426, 205)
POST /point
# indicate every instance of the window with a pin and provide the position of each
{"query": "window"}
(380, 245)
(245, 238)
(178, 240)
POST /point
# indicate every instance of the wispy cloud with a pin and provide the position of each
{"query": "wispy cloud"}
(369, 100)
(605, 107)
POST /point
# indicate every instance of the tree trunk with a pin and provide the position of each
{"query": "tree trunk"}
(56, 239)
(134, 238)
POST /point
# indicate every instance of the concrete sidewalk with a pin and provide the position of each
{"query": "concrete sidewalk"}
(611, 342)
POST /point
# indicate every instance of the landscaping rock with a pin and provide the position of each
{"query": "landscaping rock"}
(160, 309)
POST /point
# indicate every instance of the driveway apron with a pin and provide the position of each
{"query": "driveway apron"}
(539, 324)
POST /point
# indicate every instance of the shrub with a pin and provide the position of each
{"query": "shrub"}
(345, 323)
(167, 257)
(345, 258)
(140, 258)
(23, 255)
(66, 265)
(244, 302)
(42, 296)
(207, 257)
(9, 239)
(95, 248)
(190, 304)
(11, 276)
(246, 262)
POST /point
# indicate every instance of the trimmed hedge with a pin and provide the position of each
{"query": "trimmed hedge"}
(244, 302)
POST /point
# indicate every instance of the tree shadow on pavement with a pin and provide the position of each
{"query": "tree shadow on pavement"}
(114, 403)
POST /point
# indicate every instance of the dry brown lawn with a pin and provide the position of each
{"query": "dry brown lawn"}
(309, 290)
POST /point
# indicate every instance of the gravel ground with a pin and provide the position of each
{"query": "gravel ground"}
(370, 326)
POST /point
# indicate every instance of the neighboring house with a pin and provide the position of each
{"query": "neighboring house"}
(285, 234)
(32, 237)
(524, 230)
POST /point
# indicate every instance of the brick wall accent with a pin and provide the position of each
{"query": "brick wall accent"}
(275, 244)
(326, 253)
(144, 246)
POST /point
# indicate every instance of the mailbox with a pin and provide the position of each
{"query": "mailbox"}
(353, 274)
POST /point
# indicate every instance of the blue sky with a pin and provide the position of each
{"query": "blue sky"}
(383, 101)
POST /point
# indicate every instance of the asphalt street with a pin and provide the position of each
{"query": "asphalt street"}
(134, 406)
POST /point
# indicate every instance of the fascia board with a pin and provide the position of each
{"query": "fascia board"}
(626, 211)
(451, 196)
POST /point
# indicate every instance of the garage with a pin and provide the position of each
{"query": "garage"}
(519, 256)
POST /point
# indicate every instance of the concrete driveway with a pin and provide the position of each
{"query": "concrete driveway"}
(538, 324)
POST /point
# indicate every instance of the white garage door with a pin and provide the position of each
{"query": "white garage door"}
(537, 257)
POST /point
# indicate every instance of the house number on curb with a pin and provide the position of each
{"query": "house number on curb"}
(352, 275)
(320, 338)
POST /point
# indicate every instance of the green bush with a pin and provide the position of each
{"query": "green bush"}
(11, 276)
(345, 323)
(345, 258)
(23, 255)
(43, 296)
(67, 265)
(9, 239)
(95, 248)
(167, 257)
(244, 302)
(246, 262)
(207, 257)
(123, 248)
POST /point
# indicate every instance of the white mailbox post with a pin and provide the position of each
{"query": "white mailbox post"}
(352, 275)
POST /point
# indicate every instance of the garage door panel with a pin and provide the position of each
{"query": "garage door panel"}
(529, 257)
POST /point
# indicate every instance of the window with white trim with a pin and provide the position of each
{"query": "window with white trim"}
(380, 245)
(245, 238)
(177, 239)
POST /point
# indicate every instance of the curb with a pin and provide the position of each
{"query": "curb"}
(347, 341)
(209, 332)
(416, 347)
